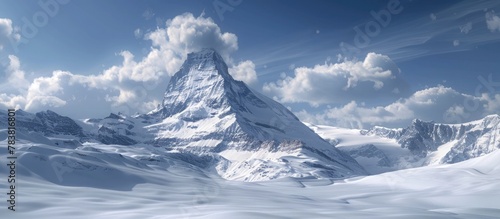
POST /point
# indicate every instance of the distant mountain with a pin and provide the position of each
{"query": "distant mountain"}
(455, 142)
(422, 143)
(49, 123)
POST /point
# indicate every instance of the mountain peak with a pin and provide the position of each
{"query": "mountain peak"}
(202, 82)
(205, 60)
(205, 110)
(205, 53)
(492, 116)
(419, 121)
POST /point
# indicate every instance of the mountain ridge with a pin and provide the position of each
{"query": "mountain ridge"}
(473, 139)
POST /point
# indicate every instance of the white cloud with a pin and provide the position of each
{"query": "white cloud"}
(6, 28)
(186, 33)
(7, 32)
(132, 86)
(44, 102)
(15, 76)
(466, 28)
(375, 76)
(440, 104)
(456, 42)
(244, 71)
(492, 21)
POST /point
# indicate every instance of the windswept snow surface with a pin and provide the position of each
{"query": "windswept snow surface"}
(135, 183)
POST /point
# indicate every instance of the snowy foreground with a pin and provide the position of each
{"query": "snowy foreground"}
(469, 189)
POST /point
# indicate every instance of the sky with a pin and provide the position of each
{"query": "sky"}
(353, 64)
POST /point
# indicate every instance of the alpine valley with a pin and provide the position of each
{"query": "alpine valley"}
(215, 148)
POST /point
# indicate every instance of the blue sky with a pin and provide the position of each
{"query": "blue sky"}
(344, 63)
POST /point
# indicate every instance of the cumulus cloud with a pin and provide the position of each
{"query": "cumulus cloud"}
(16, 75)
(439, 104)
(244, 71)
(186, 33)
(115, 90)
(7, 32)
(376, 76)
(6, 27)
(456, 42)
(492, 21)
(135, 85)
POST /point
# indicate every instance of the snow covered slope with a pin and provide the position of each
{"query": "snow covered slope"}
(206, 111)
(117, 181)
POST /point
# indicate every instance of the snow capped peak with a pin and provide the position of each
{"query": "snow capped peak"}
(205, 110)
(114, 116)
(494, 118)
(206, 60)
(204, 54)
(419, 121)
(203, 83)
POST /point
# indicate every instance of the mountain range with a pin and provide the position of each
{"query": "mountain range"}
(218, 125)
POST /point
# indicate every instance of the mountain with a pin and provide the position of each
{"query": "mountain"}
(212, 121)
(446, 143)
(46, 127)
(205, 110)
(49, 123)
(422, 143)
